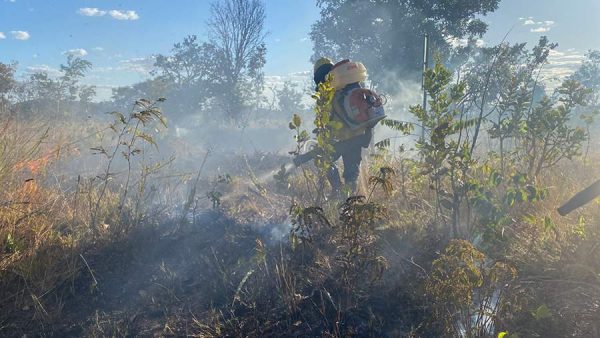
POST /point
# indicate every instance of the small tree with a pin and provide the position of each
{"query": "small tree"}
(550, 135)
(446, 152)
(43, 91)
(86, 95)
(289, 98)
(123, 96)
(502, 84)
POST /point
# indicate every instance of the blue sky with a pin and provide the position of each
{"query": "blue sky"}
(118, 37)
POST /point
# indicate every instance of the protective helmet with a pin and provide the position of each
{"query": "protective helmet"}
(322, 67)
(322, 61)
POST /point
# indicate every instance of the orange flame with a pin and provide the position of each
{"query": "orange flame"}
(36, 165)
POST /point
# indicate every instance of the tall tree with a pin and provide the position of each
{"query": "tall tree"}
(63, 88)
(72, 72)
(190, 62)
(588, 75)
(7, 82)
(123, 97)
(7, 77)
(388, 35)
(237, 31)
(189, 75)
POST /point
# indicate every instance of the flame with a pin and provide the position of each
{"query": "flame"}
(34, 166)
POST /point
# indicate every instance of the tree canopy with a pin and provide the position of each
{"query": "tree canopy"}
(387, 35)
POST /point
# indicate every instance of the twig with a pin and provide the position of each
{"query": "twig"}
(192, 195)
(90, 270)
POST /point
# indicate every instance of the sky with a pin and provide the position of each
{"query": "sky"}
(119, 37)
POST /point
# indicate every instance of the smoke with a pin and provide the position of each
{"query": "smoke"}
(407, 93)
(274, 233)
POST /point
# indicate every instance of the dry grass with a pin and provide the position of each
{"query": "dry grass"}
(350, 269)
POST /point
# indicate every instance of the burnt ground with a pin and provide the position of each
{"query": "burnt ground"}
(154, 282)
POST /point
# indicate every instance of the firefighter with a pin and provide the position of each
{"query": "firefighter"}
(349, 143)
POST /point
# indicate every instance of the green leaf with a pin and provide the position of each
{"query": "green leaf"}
(529, 219)
(521, 195)
(495, 178)
(580, 227)
(383, 144)
(296, 120)
(532, 193)
(519, 179)
(120, 117)
(403, 127)
(10, 243)
(542, 312)
(549, 224)
(509, 198)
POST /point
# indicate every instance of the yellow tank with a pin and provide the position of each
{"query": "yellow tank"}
(347, 72)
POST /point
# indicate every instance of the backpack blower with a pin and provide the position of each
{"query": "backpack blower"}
(358, 108)
(580, 199)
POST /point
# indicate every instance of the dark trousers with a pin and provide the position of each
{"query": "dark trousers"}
(351, 153)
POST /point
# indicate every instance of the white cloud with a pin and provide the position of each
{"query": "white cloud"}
(303, 39)
(20, 35)
(560, 65)
(302, 73)
(103, 69)
(52, 72)
(542, 26)
(456, 42)
(99, 49)
(540, 30)
(115, 14)
(123, 15)
(104, 92)
(273, 79)
(298, 78)
(2, 36)
(76, 52)
(141, 66)
(87, 11)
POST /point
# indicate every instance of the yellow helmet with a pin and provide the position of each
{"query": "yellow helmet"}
(322, 61)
